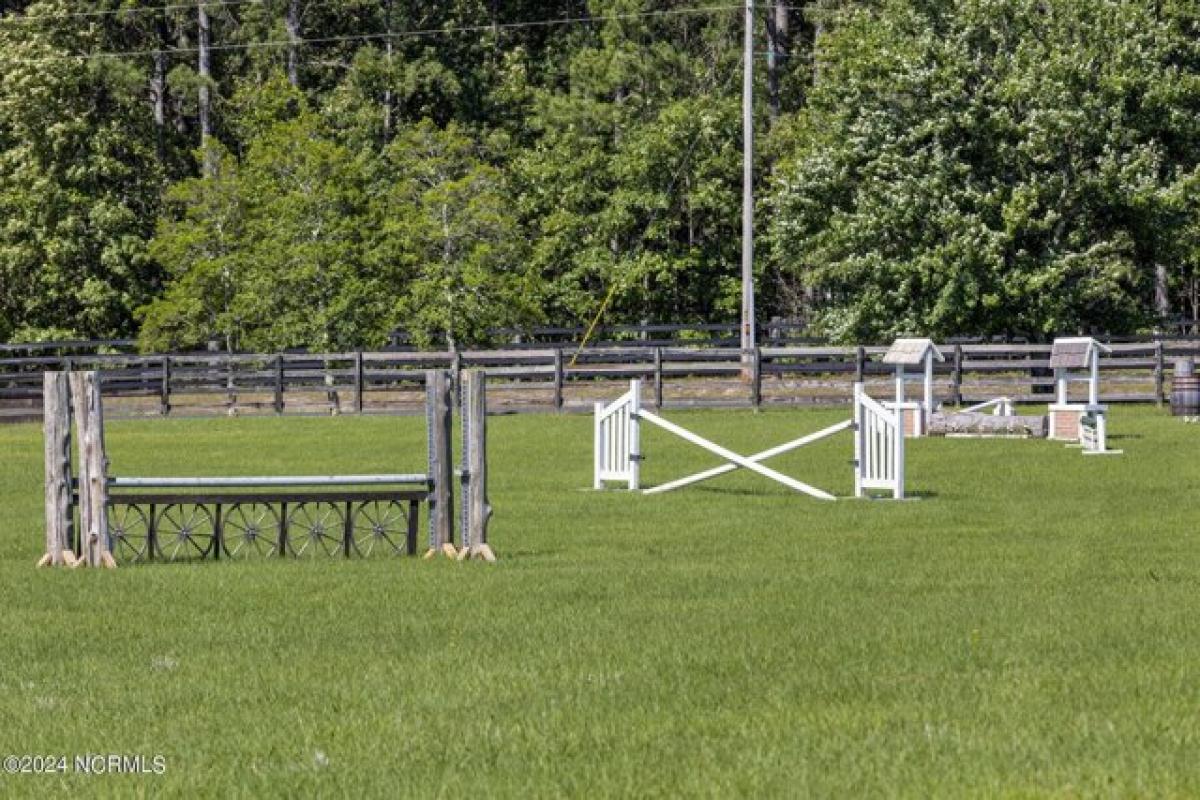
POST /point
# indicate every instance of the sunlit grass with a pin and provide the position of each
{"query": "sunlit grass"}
(1025, 625)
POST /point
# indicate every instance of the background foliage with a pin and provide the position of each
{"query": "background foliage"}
(987, 166)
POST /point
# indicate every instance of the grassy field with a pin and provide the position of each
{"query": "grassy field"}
(1026, 626)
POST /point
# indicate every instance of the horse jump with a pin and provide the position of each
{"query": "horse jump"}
(878, 447)
(177, 517)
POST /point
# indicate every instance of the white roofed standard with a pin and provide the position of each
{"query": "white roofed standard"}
(1082, 422)
(913, 352)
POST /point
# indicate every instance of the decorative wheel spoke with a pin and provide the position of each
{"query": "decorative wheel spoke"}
(315, 529)
(380, 526)
(249, 530)
(184, 531)
(128, 531)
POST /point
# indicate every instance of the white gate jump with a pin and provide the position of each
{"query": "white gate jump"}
(878, 447)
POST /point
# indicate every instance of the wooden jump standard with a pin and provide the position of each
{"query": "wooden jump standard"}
(303, 515)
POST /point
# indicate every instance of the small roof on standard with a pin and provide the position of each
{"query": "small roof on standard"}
(1075, 352)
(911, 351)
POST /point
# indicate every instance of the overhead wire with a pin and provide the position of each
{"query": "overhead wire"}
(381, 36)
(126, 11)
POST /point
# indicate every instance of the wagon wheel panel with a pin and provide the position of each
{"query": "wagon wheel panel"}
(129, 532)
(379, 527)
(250, 530)
(315, 528)
(184, 531)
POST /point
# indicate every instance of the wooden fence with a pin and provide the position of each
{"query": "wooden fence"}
(546, 378)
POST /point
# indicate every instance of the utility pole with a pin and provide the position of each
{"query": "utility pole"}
(204, 70)
(748, 337)
(291, 21)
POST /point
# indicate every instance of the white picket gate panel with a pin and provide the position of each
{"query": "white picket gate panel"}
(617, 448)
(878, 446)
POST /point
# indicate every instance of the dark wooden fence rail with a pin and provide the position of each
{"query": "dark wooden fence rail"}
(546, 378)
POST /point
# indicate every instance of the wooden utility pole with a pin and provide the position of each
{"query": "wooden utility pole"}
(777, 34)
(388, 99)
(292, 23)
(204, 69)
(748, 337)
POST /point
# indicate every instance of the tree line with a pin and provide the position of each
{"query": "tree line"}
(278, 173)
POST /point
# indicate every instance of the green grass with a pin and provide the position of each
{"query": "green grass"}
(1026, 626)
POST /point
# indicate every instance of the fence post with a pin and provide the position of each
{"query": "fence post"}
(230, 384)
(756, 378)
(860, 364)
(456, 378)
(441, 466)
(1158, 373)
(358, 382)
(278, 383)
(93, 464)
(558, 379)
(477, 509)
(956, 376)
(164, 403)
(56, 426)
(658, 377)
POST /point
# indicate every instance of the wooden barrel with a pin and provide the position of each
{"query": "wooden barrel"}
(1185, 395)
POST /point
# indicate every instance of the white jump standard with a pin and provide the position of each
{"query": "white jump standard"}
(1085, 423)
(878, 447)
(906, 353)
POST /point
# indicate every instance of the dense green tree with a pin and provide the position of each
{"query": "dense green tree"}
(451, 222)
(79, 183)
(989, 166)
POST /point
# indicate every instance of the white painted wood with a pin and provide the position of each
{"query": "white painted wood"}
(617, 438)
(598, 447)
(927, 407)
(729, 455)
(881, 458)
(724, 469)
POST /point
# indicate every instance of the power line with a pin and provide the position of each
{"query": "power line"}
(367, 37)
(112, 12)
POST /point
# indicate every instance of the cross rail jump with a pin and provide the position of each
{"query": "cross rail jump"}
(878, 447)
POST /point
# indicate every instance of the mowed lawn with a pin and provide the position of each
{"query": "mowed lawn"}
(1027, 625)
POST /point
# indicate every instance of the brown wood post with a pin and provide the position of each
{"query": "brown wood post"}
(456, 378)
(164, 403)
(756, 378)
(1158, 373)
(230, 384)
(56, 427)
(558, 379)
(478, 510)
(279, 383)
(658, 377)
(358, 382)
(441, 466)
(956, 376)
(93, 465)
